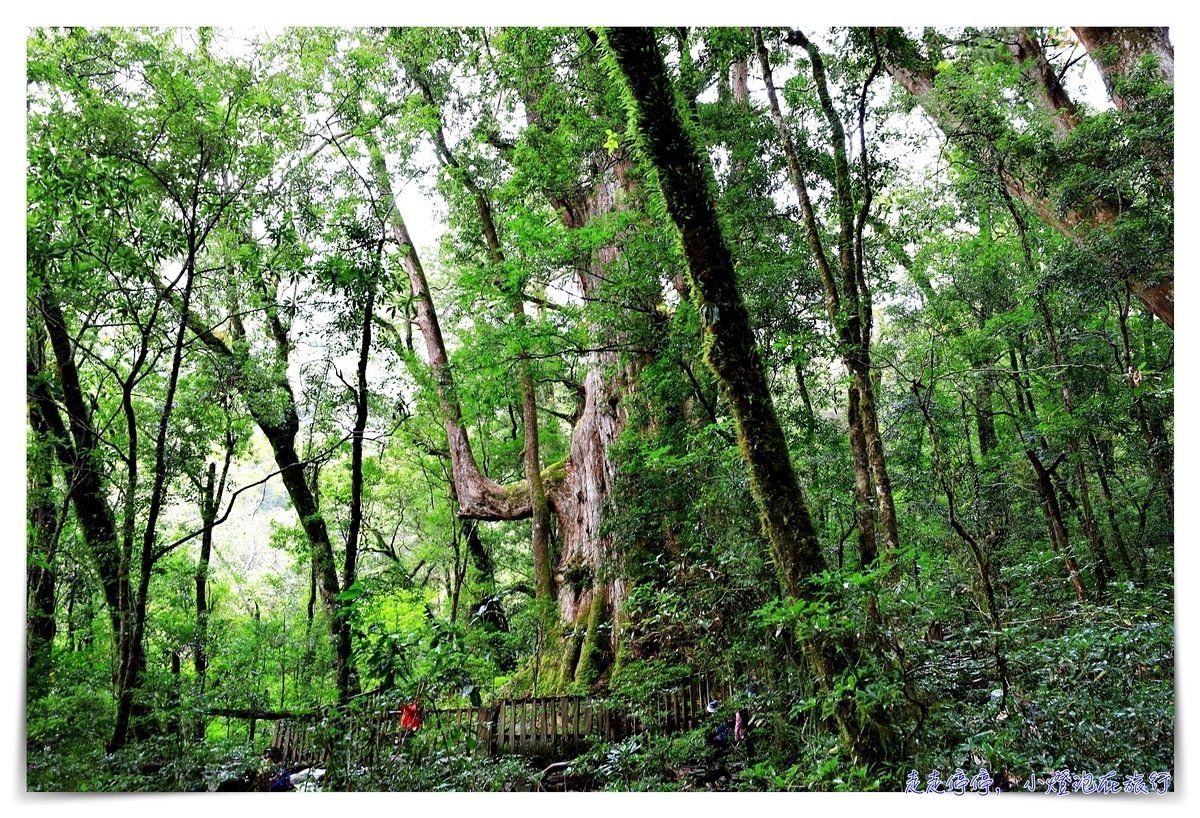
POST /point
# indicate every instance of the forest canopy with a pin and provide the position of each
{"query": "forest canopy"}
(826, 372)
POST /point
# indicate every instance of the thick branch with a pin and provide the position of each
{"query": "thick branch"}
(916, 74)
(479, 496)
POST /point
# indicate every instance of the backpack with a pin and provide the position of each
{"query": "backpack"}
(281, 782)
(718, 736)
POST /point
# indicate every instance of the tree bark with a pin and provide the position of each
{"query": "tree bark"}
(45, 524)
(1043, 83)
(1118, 51)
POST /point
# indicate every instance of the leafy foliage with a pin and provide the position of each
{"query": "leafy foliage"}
(212, 253)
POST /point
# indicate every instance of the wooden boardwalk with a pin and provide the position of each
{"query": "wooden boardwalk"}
(543, 726)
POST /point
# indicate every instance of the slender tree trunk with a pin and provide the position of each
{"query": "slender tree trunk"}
(347, 682)
(1045, 485)
(1089, 520)
(864, 510)
(540, 509)
(273, 407)
(89, 495)
(1155, 444)
(208, 513)
(848, 306)
(78, 455)
(979, 551)
(135, 665)
(1102, 469)
(1050, 497)
(1085, 502)
(44, 525)
(856, 294)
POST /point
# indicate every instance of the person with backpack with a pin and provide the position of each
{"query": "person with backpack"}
(273, 776)
(719, 734)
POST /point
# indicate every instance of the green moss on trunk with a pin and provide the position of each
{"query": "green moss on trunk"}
(683, 174)
(591, 656)
(571, 649)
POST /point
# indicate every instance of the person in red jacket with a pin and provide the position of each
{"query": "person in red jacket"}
(410, 717)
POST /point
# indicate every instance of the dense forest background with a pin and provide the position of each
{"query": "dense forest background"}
(835, 364)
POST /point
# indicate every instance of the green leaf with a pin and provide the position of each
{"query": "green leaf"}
(610, 143)
(353, 592)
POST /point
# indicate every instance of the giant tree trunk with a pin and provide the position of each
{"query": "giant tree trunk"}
(732, 353)
(1118, 51)
(590, 470)
(575, 490)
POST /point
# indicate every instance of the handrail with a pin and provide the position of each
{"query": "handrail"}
(533, 725)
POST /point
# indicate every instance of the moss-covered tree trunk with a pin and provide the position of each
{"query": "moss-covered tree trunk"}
(43, 519)
(732, 353)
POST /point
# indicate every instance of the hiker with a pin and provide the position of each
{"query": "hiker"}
(410, 717)
(743, 721)
(273, 776)
(719, 734)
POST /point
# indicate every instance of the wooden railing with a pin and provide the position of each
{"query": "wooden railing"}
(546, 726)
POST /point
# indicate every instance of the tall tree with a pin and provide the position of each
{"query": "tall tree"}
(733, 354)
(848, 297)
